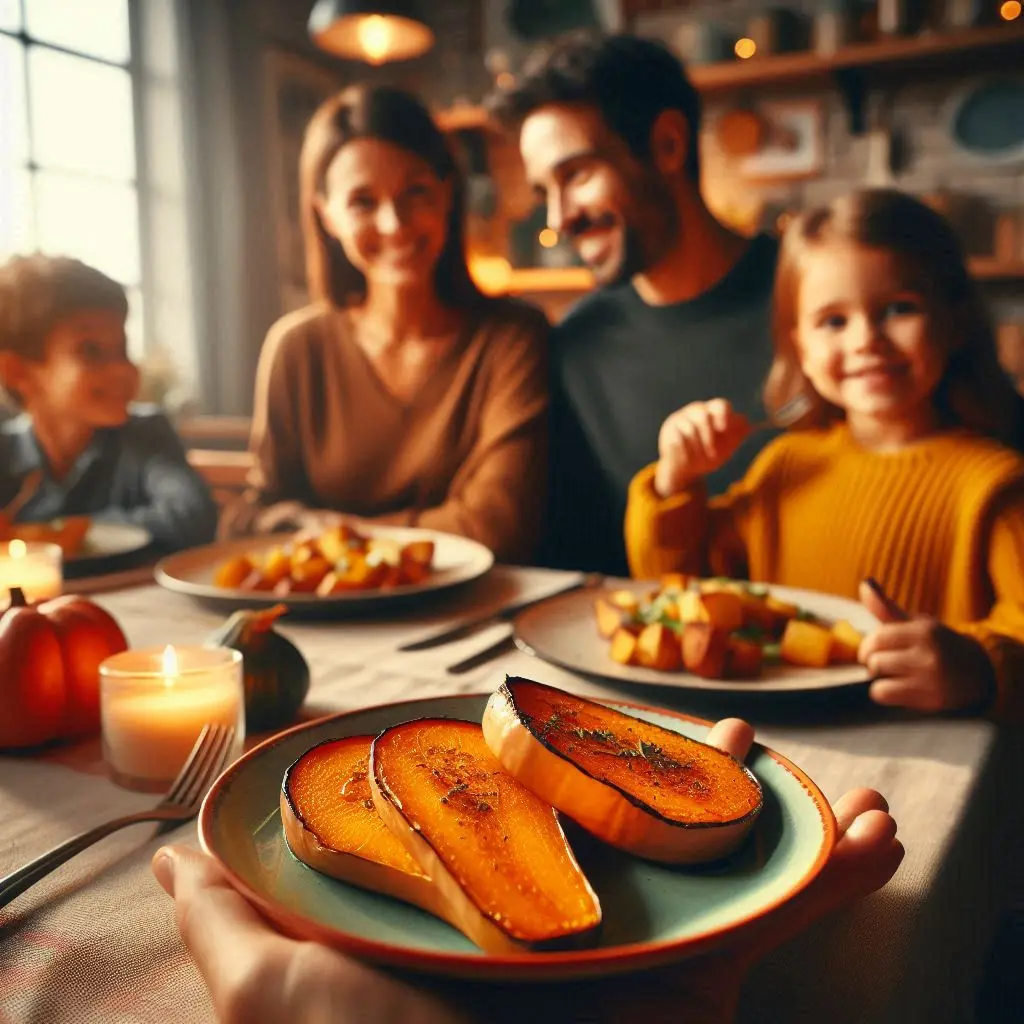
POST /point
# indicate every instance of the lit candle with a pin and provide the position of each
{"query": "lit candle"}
(35, 568)
(154, 703)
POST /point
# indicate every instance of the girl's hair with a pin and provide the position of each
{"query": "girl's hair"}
(974, 392)
(388, 115)
(37, 292)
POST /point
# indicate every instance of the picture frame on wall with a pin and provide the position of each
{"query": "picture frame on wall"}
(792, 144)
(295, 87)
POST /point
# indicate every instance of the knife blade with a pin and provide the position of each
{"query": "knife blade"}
(502, 646)
(505, 614)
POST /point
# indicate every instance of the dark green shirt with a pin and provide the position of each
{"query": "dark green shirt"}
(619, 368)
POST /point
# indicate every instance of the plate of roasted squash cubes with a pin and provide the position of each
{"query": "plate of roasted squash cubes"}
(717, 634)
(345, 566)
(528, 833)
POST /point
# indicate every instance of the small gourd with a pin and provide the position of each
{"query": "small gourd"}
(275, 672)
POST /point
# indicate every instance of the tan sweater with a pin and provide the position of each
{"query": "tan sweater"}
(467, 455)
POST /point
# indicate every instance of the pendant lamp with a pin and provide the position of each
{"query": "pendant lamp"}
(372, 32)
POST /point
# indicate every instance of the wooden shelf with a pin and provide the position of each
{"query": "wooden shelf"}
(550, 279)
(985, 268)
(954, 50)
(579, 279)
(892, 54)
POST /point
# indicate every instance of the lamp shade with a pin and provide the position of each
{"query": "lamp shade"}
(372, 32)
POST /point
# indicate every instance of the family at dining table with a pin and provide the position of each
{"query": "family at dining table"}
(639, 434)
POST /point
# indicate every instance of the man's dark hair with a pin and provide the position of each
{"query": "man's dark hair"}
(629, 80)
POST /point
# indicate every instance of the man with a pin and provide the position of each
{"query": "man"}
(608, 131)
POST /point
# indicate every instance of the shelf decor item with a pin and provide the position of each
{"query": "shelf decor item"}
(986, 119)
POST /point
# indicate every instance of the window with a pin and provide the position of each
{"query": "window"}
(69, 183)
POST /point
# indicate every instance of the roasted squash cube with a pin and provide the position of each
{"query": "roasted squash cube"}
(233, 573)
(745, 659)
(806, 643)
(705, 650)
(657, 647)
(419, 551)
(609, 617)
(845, 643)
(724, 609)
(623, 649)
(691, 607)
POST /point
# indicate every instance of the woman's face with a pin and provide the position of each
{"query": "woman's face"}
(389, 211)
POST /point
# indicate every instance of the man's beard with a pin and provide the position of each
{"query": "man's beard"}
(642, 249)
(633, 261)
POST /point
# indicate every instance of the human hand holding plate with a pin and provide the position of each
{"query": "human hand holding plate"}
(254, 972)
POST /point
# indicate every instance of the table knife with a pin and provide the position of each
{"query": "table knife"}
(504, 614)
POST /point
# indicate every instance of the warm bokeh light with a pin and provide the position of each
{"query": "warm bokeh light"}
(492, 274)
(745, 48)
(17, 549)
(505, 80)
(548, 238)
(1010, 10)
(375, 37)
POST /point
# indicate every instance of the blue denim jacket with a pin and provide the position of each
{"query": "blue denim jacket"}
(136, 473)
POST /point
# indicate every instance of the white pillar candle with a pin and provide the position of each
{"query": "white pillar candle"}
(154, 703)
(35, 568)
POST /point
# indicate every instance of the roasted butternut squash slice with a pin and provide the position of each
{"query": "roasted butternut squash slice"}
(331, 824)
(495, 851)
(637, 786)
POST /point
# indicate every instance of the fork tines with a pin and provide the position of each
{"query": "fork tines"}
(204, 764)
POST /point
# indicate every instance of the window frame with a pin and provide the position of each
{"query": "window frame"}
(139, 183)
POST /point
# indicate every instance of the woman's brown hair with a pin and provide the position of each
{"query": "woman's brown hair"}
(974, 392)
(388, 115)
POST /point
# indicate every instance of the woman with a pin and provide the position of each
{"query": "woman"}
(401, 395)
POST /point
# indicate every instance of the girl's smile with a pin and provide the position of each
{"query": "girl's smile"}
(871, 341)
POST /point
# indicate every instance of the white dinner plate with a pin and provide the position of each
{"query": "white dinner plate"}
(457, 560)
(109, 540)
(563, 631)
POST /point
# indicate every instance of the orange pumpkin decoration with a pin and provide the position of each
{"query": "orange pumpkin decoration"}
(50, 656)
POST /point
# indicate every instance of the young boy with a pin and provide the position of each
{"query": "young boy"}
(78, 448)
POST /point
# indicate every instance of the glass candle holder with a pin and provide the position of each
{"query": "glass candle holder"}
(37, 569)
(154, 703)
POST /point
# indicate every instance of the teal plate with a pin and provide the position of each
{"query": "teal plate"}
(653, 914)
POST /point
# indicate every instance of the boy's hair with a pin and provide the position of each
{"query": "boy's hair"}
(629, 80)
(37, 292)
(975, 391)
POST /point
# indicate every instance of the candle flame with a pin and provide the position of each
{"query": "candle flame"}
(169, 665)
(17, 549)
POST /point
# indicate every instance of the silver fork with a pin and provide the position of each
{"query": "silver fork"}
(787, 414)
(204, 764)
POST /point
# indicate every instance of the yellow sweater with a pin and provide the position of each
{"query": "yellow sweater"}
(939, 524)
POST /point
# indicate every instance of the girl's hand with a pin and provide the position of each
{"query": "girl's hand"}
(916, 662)
(695, 441)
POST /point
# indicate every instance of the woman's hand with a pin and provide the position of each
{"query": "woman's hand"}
(293, 515)
(254, 973)
(916, 662)
(695, 441)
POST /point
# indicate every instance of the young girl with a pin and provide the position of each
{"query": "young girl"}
(902, 485)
